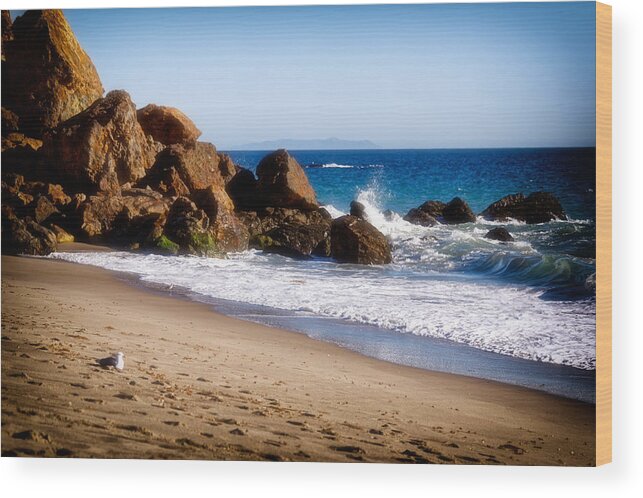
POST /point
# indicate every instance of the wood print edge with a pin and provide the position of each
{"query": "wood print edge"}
(603, 233)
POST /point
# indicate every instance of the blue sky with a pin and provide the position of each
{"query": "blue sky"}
(451, 75)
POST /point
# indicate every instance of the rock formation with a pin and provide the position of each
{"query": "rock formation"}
(537, 207)
(46, 76)
(167, 125)
(283, 183)
(101, 148)
(499, 233)
(357, 241)
(358, 210)
(456, 211)
(181, 170)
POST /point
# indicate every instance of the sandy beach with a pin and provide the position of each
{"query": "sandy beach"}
(200, 385)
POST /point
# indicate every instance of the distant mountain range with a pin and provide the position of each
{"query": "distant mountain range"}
(310, 144)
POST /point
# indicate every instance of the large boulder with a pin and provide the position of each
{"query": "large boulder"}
(354, 240)
(180, 170)
(25, 236)
(263, 220)
(283, 183)
(188, 227)
(290, 232)
(101, 148)
(295, 240)
(454, 212)
(132, 216)
(457, 211)
(242, 188)
(46, 77)
(167, 125)
(229, 232)
(426, 214)
(537, 207)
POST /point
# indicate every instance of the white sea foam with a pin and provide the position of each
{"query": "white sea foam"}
(333, 211)
(348, 166)
(502, 318)
(418, 293)
(335, 165)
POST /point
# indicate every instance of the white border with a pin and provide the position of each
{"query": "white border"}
(85, 478)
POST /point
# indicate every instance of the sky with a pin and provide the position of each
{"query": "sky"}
(401, 76)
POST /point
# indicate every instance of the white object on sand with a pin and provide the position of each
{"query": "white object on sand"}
(116, 360)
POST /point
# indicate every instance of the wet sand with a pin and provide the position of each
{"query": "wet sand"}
(200, 385)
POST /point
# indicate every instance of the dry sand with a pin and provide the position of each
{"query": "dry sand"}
(199, 385)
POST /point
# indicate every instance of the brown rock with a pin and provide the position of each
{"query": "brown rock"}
(357, 241)
(229, 233)
(7, 31)
(101, 148)
(57, 194)
(537, 207)
(188, 227)
(25, 236)
(283, 183)
(295, 240)
(47, 77)
(62, 236)
(499, 233)
(97, 214)
(358, 210)
(133, 216)
(179, 170)
(43, 209)
(263, 220)
(9, 122)
(227, 168)
(457, 211)
(426, 214)
(167, 125)
(242, 188)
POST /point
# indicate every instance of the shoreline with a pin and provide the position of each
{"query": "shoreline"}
(234, 389)
(423, 352)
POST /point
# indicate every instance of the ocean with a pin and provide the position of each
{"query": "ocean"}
(522, 313)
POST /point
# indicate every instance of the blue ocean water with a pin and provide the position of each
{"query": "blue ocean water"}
(406, 178)
(451, 300)
(399, 180)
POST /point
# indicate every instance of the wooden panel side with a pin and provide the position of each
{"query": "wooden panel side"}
(603, 233)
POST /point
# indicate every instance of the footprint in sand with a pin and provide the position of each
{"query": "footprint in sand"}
(126, 396)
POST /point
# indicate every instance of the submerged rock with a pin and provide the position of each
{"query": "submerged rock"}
(46, 76)
(537, 207)
(357, 241)
(454, 212)
(167, 125)
(419, 217)
(101, 148)
(499, 233)
(457, 211)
